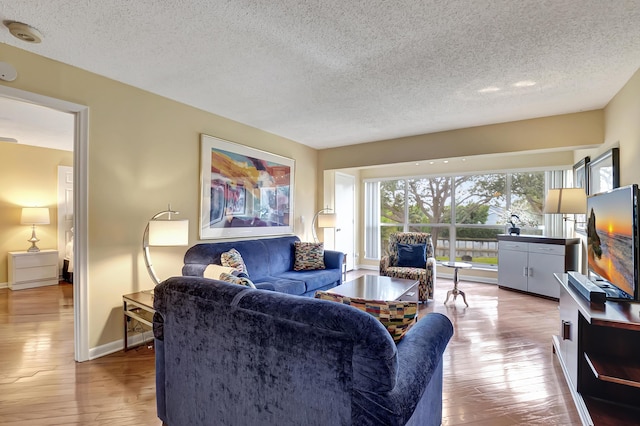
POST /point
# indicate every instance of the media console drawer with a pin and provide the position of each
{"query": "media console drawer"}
(29, 270)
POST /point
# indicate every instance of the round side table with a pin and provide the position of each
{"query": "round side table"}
(455, 292)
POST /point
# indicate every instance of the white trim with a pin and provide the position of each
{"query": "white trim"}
(81, 216)
(4, 285)
(118, 345)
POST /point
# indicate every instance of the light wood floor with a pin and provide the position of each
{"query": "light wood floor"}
(499, 367)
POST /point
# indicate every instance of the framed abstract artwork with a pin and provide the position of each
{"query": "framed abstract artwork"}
(604, 172)
(245, 192)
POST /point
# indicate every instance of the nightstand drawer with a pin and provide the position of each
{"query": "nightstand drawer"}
(32, 260)
(36, 274)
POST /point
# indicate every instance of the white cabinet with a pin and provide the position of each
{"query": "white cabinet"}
(28, 270)
(527, 263)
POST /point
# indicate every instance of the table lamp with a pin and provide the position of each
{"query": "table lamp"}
(163, 232)
(34, 216)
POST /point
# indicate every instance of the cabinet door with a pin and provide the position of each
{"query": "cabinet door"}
(541, 269)
(512, 268)
(568, 336)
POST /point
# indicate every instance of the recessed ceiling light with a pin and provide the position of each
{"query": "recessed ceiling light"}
(446, 161)
(464, 159)
(489, 89)
(24, 32)
(524, 83)
(417, 164)
(431, 162)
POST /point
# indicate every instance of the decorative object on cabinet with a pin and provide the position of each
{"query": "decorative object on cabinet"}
(514, 230)
(163, 232)
(604, 172)
(34, 216)
(32, 269)
(325, 218)
(527, 263)
(566, 201)
(245, 192)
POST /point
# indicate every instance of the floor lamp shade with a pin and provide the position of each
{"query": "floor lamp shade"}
(34, 216)
(163, 232)
(325, 218)
(566, 201)
(168, 232)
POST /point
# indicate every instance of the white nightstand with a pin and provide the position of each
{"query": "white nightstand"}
(28, 270)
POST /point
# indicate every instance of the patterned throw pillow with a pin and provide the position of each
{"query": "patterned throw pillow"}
(309, 256)
(233, 279)
(396, 316)
(233, 258)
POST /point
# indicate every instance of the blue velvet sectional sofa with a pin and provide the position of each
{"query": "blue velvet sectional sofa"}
(229, 355)
(269, 264)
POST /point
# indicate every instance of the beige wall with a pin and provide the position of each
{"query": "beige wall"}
(622, 129)
(143, 154)
(28, 178)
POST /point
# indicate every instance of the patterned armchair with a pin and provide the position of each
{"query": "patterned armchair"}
(426, 275)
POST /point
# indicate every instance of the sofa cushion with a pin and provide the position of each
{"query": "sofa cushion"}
(308, 256)
(412, 255)
(236, 280)
(314, 279)
(283, 284)
(396, 316)
(233, 258)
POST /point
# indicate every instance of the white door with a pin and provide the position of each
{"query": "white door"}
(345, 191)
(65, 213)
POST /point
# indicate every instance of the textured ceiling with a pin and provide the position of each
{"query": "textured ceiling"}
(335, 72)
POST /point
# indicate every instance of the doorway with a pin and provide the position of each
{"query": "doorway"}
(80, 207)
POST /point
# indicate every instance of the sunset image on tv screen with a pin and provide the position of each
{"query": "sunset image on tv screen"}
(610, 244)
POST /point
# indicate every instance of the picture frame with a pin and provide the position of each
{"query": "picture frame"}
(234, 179)
(581, 180)
(604, 172)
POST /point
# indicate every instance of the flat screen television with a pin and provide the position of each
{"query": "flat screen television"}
(612, 241)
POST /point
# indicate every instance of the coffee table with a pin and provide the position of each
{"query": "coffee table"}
(375, 287)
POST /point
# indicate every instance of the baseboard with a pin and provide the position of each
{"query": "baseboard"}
(118, 345)
(4, 285)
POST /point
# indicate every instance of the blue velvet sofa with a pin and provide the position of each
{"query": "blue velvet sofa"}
(269, 262)
(230, 355)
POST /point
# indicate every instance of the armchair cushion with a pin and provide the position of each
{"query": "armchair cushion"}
(412, 255)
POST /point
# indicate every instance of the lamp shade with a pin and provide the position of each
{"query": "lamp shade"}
(34, 216)
(566, 201)
(168, 232)
(327, 220)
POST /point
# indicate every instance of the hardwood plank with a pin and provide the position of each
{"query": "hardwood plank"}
(499, 369)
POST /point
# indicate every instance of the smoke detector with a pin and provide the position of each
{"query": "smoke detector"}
(24, 32)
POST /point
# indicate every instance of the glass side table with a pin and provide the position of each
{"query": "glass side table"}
(454, 291)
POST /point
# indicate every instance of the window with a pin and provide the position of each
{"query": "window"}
(464, 214)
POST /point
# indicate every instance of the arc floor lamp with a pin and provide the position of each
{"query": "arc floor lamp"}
(325, 218)
(163, 232)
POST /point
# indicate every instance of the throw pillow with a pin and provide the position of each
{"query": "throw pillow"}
(214, 271)
(233, 258)
(396, 316)
(412, 255)
(236, 280)
(308, 256)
